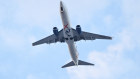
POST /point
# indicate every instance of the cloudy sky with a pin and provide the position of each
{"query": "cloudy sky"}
(24, 21)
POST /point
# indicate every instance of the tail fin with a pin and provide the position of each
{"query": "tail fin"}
(79, 63)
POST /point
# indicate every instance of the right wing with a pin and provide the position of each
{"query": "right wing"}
(51, 39)
(88, 36)
(93, 36)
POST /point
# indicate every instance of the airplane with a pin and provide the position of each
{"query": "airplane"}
(70, 36)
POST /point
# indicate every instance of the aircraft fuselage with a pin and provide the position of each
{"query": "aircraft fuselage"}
(68, 34)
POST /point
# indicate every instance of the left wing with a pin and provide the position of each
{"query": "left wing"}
(51, 39)
(88, 36)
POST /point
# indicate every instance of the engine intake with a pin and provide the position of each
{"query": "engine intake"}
(55, 31)
(78, 29)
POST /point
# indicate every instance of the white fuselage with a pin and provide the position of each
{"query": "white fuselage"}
(68, 34)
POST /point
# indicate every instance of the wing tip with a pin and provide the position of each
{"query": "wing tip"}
(33, 44)
(110, 38)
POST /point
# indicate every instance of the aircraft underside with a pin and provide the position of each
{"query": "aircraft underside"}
(70, 35)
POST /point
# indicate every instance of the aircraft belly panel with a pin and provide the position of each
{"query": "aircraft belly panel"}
(72, 50)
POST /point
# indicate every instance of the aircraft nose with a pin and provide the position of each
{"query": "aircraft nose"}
(61, 6)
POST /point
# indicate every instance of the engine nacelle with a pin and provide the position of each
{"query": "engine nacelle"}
(55, 31)
(78, 29)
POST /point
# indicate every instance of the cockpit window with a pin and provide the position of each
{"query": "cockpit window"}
(62, 9)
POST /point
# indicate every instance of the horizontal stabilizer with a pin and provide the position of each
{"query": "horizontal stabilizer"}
(84, 63)
(79, 63)
(69, 64)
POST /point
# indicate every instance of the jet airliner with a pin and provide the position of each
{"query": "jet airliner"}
(70, 35)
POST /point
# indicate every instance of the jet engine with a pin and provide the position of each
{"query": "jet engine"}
(55, 31)
(78, 29)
